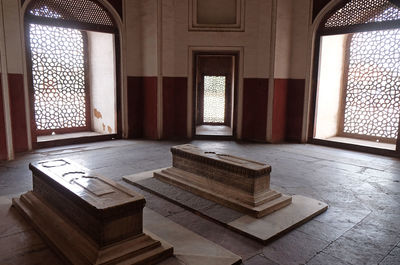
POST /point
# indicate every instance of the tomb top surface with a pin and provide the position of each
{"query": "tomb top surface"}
(95, 191)
(194, 151)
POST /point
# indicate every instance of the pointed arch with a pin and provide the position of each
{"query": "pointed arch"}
(360, 15)
(81, 14)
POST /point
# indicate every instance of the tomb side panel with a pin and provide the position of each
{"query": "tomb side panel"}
(75, 213)
(212, 172)
(102, 231)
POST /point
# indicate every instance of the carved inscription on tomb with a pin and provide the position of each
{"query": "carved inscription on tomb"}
(81, 178)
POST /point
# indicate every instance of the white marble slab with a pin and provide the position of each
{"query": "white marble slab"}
(301, 210)
(298, 212)
(189, 247)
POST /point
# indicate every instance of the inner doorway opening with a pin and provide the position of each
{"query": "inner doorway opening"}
(214, 94)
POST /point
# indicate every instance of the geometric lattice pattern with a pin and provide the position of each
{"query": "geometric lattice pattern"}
(58, 75)
(363, 11)
(85, 11)
(214, 99)
(372, 104)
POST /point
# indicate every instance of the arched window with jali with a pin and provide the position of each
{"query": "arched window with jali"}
(358, 80)
(60, 36)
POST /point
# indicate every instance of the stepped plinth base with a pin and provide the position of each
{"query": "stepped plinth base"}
(269, 200)
(264, 229)
(232, 181)
(21, 245)
(76, 248)
(86, 218)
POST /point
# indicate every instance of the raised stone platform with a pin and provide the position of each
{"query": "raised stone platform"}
(88, 219)
(19, 244)
(262, 229)
(232, 181)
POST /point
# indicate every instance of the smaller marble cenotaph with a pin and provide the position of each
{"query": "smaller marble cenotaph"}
(88, 219)
(235, 182)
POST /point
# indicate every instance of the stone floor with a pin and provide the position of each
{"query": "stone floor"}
(363, 192)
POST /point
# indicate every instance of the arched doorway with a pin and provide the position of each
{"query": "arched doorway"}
(73, 68)
(355, 84)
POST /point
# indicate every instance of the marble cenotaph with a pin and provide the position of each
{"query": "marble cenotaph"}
(235, 182)
(87, 218)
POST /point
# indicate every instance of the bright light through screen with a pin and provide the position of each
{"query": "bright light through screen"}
(214, 99)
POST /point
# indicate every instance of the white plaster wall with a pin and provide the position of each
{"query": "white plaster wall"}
(330, 85)
(283, 38)
(102, 82)
(12, 31)
(141, 37)
(177, 38)
(301, 15)
(292, 27)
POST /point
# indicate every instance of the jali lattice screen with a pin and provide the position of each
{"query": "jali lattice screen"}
(357, 12)
(372, 104)
(84, 11)
(214, 99)
(58, 75)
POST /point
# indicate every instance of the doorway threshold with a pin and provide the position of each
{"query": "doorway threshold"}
(71, 138)
(214, 130)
